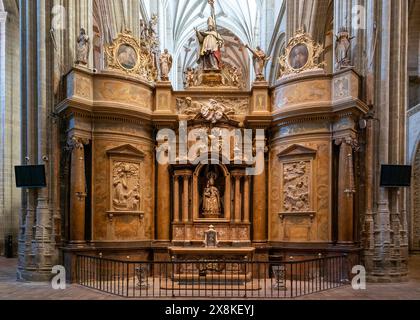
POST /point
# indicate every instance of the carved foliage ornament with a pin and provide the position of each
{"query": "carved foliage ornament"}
(132, 56)
(302, 54)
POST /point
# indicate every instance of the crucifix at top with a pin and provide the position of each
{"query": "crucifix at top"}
(211, 42)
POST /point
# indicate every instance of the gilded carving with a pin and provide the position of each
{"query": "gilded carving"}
(131, 56)
(296, 180)
(302, 54)
(126, 186)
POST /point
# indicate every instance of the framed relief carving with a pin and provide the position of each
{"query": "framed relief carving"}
(126, 182)
(297, 176)
(302, 54)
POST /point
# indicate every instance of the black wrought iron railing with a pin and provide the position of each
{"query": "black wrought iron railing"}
(212, 279)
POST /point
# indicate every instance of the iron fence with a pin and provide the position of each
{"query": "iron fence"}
(212, 278)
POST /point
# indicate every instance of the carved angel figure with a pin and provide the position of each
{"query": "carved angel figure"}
(189, 77)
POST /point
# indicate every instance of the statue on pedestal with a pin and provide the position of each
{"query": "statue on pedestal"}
(165, 62)
(211, 199)
(211, 42)
(260, 61)
(189, 77)
(343, 43)
(83, 48)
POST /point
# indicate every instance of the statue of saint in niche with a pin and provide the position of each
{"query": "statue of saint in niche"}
(211, 42)
(211, 198)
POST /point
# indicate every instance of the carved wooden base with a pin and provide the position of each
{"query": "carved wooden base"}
(212, 78)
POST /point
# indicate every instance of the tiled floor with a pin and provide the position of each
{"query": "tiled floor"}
(12, 290)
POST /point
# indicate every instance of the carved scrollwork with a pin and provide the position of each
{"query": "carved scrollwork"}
(132, 56)
(302, 54)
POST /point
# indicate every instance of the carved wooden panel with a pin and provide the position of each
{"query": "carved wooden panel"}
(296, 186)
(125, 188)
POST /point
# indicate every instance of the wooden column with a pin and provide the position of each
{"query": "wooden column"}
(186, 197)
(77, 191)
(163, 203)
(238, 218)
(346, 190)
(246, 199)
(176, 199)
(260, 208)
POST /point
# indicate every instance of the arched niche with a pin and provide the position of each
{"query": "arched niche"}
(199, 179)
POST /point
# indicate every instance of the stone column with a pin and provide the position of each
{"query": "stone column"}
(186, 197)
(163, 203)
(260, 208)
(176, 199)
(77, 192)
(346, 190)
(238, 213)
(3, 223)
(246, 199)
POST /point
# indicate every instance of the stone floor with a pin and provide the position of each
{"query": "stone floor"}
(12, 290)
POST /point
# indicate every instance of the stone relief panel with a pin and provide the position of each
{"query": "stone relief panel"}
(123, 92)
(304, 92)
(341, 88)
(125, 187)
(296, 186)
(83, 87)
(192, 106)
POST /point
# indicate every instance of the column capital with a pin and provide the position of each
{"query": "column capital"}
(237, 174)
(75, 142)
(183, 173)
(350, 141)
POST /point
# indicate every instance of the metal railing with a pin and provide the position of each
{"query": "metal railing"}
(212, 278)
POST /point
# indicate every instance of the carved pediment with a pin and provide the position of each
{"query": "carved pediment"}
(126, 150)
(297, 150)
